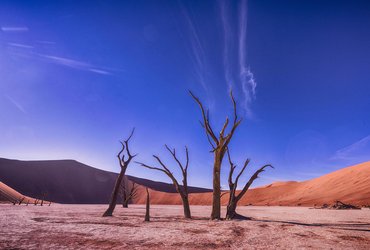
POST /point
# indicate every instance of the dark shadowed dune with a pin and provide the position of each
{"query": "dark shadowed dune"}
(68, 181)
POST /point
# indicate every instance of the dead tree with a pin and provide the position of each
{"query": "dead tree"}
(235, 198)
(182, 190)
(127, 196)
(21, 200)
(147, 207)
(219, 145)
(123, 164)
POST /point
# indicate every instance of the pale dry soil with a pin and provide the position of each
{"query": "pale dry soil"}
(82, 227)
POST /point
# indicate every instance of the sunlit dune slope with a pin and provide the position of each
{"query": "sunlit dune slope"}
(350, 184)
(68, 181)
(8, 194)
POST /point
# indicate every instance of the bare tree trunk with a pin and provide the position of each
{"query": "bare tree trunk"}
(123, 164)
(21, 200)
(183, 191)
(147, 207)
(231, 210)
(216, 202)
(185, 203)
(113, 200)
(219, 146)
(234, 198)
(124, 198)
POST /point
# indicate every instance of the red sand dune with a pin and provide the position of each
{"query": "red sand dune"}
(351, 185)
(8, 194)
(69, 181)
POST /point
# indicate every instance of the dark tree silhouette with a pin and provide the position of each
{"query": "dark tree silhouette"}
(219, 145)
(182, 190)
(234, 198)
(128, 193)
(21, 200)
(123, 164)
(147, 207)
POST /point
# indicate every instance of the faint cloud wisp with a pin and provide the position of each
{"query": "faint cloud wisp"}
(14, 29)
(359, 150)
(227, 44)
(80, 65)
(197, 51)
(16, 104)
(248, 83)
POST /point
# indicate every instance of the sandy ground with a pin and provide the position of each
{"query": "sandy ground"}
(82, 227)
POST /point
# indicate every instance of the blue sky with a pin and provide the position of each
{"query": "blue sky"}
(75, 77)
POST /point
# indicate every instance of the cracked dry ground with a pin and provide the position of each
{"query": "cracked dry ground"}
(82, 227)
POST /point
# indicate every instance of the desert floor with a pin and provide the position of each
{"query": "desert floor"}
(82, 227)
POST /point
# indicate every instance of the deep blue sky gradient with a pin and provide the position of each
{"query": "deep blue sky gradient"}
(75, 77)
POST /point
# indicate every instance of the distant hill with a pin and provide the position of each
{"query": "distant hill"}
(68, 181)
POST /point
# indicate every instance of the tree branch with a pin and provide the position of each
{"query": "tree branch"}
(205, 119)
(249, 183)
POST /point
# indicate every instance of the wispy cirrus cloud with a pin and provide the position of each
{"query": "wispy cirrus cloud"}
(74, 64)
(16, 104)
(248, 82)
(20, 45)
(359, 150)
(227, 44)
(14, 28)
(197, 51)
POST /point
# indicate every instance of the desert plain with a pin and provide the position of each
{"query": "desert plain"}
(270, 227)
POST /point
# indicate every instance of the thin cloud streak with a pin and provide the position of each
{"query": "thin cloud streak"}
(25, 46)
(227, 43)
(198, 54)
(248, 82)
(14, 29)
(354, 151)
(71, 63)
(16, 104)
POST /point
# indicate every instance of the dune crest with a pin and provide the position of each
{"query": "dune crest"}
(350, 185)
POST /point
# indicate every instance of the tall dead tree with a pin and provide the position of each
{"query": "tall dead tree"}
(182, 190)
(219, 146)
(147, 207)
(128, 193)
(235, 198)
(123, 164)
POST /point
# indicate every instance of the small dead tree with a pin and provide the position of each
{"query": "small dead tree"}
(123, 164)
(182, 190)
(219, 145)
(128, 195)
(21, 200)
(235, 198)
(147, 207)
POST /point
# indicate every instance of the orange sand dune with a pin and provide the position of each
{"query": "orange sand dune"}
(351, 185)
(8, 194)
